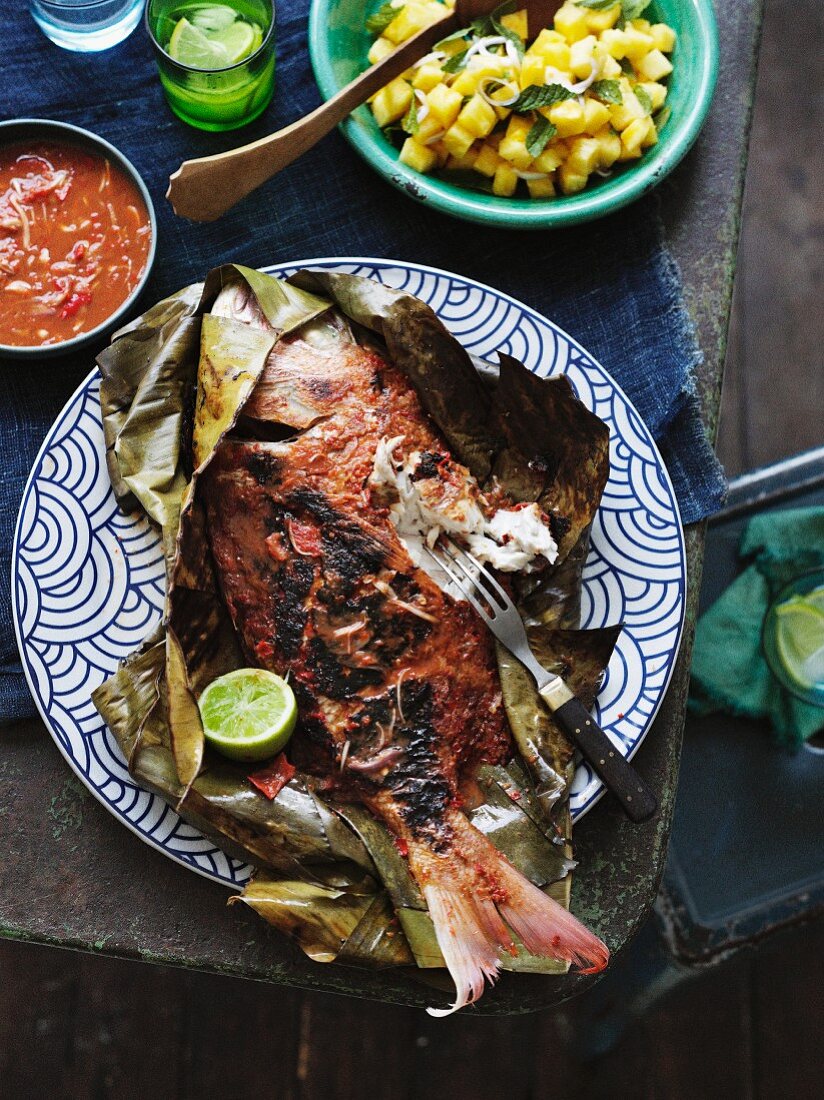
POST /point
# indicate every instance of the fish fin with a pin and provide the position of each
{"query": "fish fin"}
(476, 896)
(463, 936)
(545, 928)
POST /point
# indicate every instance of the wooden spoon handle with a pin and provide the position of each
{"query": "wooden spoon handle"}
(204, 189)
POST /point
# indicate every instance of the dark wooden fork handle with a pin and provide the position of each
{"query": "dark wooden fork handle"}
(637, 800)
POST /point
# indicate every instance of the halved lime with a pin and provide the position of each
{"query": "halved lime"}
(799, 638)
(190, 46)
(248, 714)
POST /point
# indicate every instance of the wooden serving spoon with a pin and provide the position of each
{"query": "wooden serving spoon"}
(204, 189)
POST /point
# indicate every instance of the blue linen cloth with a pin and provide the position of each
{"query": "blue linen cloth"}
(611, 284)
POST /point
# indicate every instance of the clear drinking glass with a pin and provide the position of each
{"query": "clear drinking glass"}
(86, 25)
(212, 95)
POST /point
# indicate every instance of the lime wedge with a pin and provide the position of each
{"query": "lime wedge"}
(213, 17)
(190, 46)
(799, 638)
(248, 714)
(240, 40)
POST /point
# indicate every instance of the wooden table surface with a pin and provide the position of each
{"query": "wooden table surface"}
(73, 878)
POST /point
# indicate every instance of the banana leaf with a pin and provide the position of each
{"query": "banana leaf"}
(174, 383)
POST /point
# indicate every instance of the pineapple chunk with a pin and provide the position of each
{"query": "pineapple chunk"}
(410, 19)
(608, 67)
(614, 43)
(663, 37)
(463, 163)
(487, 161)
(551, 158)
(444, 103)
(427, 77)
(598, 21)
(477, 117)
(379, 49)
(584, 156)
(553, 48)
(422, 158)
(504, 181)
(651, 137)
(513, 145)
(441, 152)
(458, 140)
(571, 182)
(642, 25)
(466, 82)
(636, 44)
(622, 114)
(428, 129)
(567, 117)
(541, 189)
(657, 92)
(633, 136)
(580, 56)
(571, 21)
(391, 102)
(532, 71)
(596, 115)
(609, 147)
(517, 22)
(654, 65)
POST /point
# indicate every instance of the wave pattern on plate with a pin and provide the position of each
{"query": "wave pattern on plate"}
(88, 578)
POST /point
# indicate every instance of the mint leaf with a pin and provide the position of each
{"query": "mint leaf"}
(456, 62)
(465, 177)
(541, 95)
(462, 33)
(540, 136)
(631, 9)
(596, 5)
(506, 9)
(380, 20)
(626, 66)
(410, 124)
(608, 91)
(643, 98)
(661, 118)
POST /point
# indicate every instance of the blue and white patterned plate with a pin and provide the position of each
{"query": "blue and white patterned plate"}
(87, 578)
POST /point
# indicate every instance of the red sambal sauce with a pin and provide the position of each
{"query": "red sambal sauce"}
(74, 241)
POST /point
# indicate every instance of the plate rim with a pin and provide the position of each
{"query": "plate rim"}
(377, 262)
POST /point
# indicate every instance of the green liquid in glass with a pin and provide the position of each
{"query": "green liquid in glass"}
(218, 68)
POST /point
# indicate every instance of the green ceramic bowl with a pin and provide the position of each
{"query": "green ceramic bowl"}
(338, 43)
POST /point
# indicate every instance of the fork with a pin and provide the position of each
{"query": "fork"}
(497, 610)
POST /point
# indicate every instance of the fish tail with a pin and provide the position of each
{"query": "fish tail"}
(477, 900)
(463, 936)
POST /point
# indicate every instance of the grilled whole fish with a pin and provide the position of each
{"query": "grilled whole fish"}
(396, 680)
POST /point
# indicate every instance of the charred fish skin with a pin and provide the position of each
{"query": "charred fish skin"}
(397, 682)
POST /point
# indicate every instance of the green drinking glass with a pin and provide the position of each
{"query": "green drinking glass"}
(793, 637)
(216, 61)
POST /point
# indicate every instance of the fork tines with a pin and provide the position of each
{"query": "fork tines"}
(479, 587)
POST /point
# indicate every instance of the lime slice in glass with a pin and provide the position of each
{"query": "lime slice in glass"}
(239, 40)
(799, 638)
(190, 46)
(248, 714)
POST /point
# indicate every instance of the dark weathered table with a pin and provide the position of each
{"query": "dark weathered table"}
(73, 878)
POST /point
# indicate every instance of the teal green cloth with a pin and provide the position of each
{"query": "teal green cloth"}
(729, 671)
